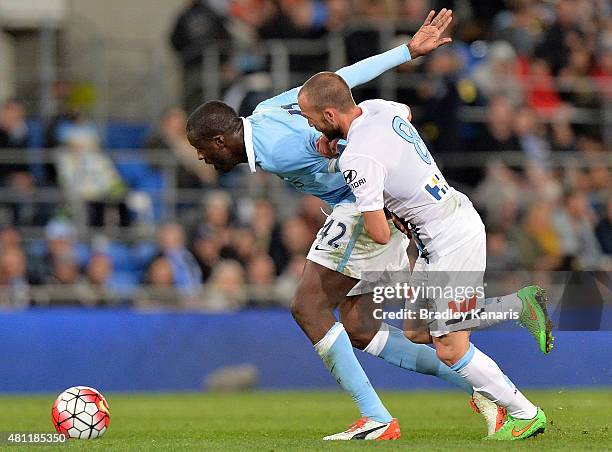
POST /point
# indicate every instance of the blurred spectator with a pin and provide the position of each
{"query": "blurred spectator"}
(185, 269)
(198, 26)
(9, 238)
(499, 133)
(242, 247)
(519, 25)
(575, 222)
(261, 276)
(540, 90)
(498, 196)
(160, 274)
(206, 250)
(288, 280)
(268, 232)
(61, 238)
(67, 113)
(538, 243)
(539, 183)
(14, 133)
(562, 136)
(159, 290)
(439, 101)
(64, 270)
(556, 44)
(217, 211)
(575, 83)
(172, 135)
(501, 254)
(88, 176)
(14, 287)
(226, 290)
(261, 271)
(296, 237)
(99, 276)
(530, 134)
(497, 75)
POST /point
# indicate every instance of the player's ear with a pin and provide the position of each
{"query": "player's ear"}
(219, 141)
(329, 114)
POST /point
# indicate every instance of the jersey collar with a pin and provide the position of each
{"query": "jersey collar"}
(248, 143)
(357, 121)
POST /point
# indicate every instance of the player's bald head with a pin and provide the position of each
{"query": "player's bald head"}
(327, 90)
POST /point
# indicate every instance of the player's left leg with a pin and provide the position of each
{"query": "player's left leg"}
(320, 291)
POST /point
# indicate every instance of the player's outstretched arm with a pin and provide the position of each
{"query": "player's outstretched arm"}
(425, 40)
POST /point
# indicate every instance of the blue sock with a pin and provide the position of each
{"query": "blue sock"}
(337, 353)
(401, 352)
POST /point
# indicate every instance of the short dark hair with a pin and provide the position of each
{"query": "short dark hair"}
(210, 119)
(328, 89)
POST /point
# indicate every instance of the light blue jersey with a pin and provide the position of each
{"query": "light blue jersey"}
(280, 141)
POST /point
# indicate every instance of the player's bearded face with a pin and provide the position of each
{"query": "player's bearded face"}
(330, 131)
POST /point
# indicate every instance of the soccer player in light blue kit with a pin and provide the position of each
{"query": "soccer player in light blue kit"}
(278, 139)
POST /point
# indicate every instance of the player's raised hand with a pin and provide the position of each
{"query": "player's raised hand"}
(428, 37)
(326, 147)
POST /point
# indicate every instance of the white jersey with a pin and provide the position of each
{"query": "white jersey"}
(386, 164)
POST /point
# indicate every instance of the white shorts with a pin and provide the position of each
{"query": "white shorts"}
(456, 287)
(343, 245)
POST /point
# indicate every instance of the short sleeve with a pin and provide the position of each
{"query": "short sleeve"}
(366, 178)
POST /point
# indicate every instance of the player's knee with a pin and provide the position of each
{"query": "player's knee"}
(297, 310)
(418, 336)
(447, 353)
(359, 338)
(303, 307)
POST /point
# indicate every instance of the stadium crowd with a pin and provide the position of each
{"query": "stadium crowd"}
(535, 67)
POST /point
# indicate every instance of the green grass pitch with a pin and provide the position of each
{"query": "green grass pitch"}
(279, 421)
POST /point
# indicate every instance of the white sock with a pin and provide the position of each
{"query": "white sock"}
(487, 378)
(505, 304)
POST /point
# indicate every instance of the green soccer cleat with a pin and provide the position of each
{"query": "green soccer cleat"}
(534, 316)
(514, 428)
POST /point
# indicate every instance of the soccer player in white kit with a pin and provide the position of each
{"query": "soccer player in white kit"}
(386, 164)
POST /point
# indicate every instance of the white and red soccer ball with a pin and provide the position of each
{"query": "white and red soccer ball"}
(80, 412)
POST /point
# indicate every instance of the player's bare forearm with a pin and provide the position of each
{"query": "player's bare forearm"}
(376, 226)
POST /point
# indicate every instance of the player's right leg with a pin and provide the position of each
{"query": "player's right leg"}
(452, 339)
(319, 292)
(524, 418)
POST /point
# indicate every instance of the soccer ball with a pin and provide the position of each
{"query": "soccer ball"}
(80, 412)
